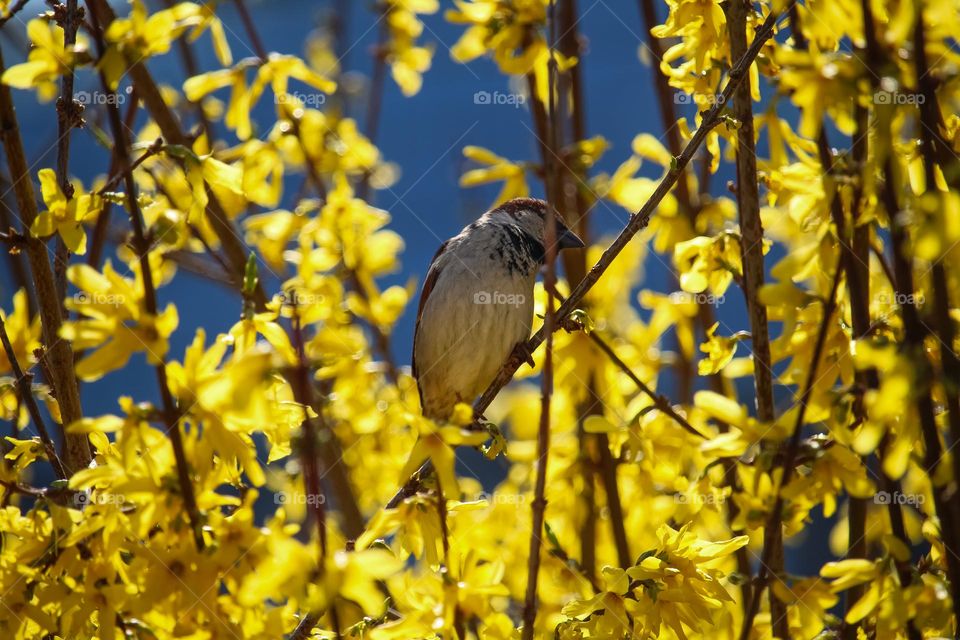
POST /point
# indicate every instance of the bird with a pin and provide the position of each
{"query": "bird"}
(476, 305)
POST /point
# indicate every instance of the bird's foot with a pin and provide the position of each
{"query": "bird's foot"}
(521, 353)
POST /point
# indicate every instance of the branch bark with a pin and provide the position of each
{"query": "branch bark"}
(553, 180)
(58, 352)
(751, 247)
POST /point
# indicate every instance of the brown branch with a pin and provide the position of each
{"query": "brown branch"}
(751, 230)
(26, 396)
(76, 448)
(914, 335)
(303, 390)
(155, 147)
(773, 529)
(171, 413)
(102, 225)
(309, 456)
(567, 194)
(637, 222)
(659, 400)
(568, 197)
(258, 47)
(69, 115)
(751, 246)
(539, 505)
(233, 247)
(330, 451)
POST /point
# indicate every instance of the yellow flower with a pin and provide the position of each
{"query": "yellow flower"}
(48, 60)
(23, 332)
(114, 320)
(141, 36)
(64, 216)
(275, 71)
(513, 175)
(407, 60)
(719, 349)
(676, 584)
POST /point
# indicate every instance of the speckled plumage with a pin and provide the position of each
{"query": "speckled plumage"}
(477, 303)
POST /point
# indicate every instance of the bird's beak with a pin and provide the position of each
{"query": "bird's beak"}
(567, 239)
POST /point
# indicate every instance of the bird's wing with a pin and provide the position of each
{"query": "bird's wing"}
(428, 283)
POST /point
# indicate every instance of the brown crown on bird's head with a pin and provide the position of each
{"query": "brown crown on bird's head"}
(529, 214)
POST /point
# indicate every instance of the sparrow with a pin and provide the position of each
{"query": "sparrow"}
(476, 307)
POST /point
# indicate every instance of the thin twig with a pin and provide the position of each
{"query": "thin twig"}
(774, 520)
(103, 219)
(258, 47)
(309, 458)
(539, 505)
(155, 147)
(659, 400)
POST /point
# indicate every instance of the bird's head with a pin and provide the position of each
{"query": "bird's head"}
(529, 214)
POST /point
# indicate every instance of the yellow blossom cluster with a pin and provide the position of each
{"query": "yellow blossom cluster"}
(282, 481)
